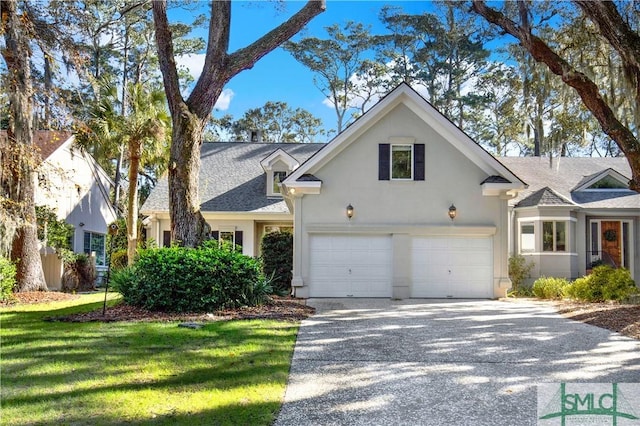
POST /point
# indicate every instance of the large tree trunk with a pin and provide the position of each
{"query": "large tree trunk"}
(583, 85)
(18, 176)
(188, 226)
(187, 223)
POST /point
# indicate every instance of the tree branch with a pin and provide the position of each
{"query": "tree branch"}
(584, 86)
(166, 56)
(221, 67)
(613, 27)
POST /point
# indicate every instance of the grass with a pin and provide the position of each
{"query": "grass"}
(227, 373)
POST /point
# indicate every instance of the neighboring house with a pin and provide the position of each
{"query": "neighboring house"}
(240, 192)
(576, 213)
(72, 183)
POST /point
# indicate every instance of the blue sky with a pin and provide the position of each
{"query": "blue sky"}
(277, 76)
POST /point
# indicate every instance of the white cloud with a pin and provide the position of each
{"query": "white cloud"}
(193, 63)
(224, 100)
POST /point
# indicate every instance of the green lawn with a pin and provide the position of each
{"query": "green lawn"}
(227, 373)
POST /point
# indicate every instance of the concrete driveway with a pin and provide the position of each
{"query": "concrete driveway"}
(443, 362)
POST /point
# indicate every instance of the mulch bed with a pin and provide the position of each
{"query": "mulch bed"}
(277, 308)
(624, 319)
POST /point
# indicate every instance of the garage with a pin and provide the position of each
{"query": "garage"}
(350, 265)
(457, 267)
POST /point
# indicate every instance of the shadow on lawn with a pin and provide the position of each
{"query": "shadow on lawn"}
(69, 368)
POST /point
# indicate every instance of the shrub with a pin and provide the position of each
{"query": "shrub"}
(79, 272)
(549, 287)
(57, 233)
(519, 270)
(277, 259)
(604, 283)
(7, 279)
(119, 259)
(180, 279)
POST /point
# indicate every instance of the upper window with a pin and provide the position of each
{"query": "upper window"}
(402, 162)
(554, 236)
(95, 243)
(278, 177)
(527, 237)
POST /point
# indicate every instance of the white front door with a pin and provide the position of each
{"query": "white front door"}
(455, 267)
(350, 265)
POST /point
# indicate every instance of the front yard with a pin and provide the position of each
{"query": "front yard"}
(226, 373)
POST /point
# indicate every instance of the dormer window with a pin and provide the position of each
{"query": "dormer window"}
(608, 182)
(277, 166)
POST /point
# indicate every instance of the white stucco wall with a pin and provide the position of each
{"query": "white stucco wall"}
(400, 207)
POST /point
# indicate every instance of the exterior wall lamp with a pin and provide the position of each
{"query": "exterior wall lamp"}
(349, 211)
(452, 212)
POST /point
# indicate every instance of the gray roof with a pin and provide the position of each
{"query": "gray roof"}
(545, 197)
(564, 174)
(232, 179)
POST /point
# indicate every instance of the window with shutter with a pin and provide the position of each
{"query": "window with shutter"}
(401, 161)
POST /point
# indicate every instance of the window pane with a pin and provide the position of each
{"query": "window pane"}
(401, 162)
(561, 236)
(226, 237)
(97, 246)
(625, 245)
(527, 237)
(594, 238)
(547, 236)
(278, 177)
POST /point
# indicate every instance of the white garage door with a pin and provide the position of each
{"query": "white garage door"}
(350, 266)
(452, 267)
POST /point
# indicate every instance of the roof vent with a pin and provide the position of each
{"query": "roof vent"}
(256, 136)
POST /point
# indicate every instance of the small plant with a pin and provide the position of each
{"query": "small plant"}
(7, 279)
(550, 287)
(519, 271)
(604, 283)
(79, 271)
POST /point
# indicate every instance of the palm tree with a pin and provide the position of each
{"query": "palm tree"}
(144, 131)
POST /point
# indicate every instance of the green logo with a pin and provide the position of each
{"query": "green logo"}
(595, 403)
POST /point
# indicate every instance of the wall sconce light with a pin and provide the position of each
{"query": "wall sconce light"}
(81, 224)
(452, 212)
(349, 211)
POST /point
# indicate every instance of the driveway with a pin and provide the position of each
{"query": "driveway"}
(435, 362)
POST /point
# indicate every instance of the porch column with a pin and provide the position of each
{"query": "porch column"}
(296, 281)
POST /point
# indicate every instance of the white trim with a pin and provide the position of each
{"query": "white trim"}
(599, 221)
(547, 218)
(279, 154)
(613, 174)
(550, 253)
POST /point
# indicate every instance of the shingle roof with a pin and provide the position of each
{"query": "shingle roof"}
(545, 197)
(496, 179)
(232, 179)
(47, 141)
(563, 174)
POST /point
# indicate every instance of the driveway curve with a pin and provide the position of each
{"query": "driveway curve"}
(442, 362)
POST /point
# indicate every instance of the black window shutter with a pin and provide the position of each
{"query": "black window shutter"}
(215, 235)
(166, 239)
(384, 152)
(418, 161)
(238, 238)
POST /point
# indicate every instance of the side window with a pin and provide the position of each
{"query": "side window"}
(95, 243)
(527, 237)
